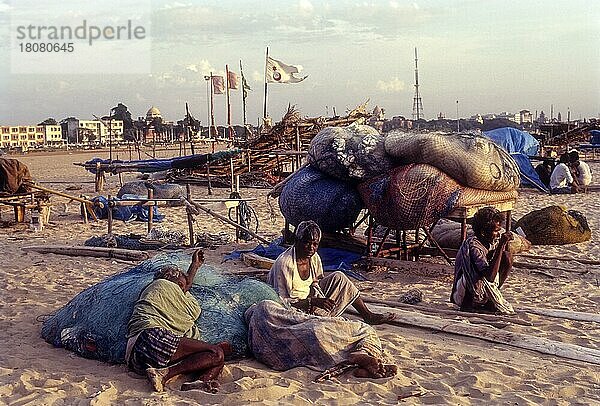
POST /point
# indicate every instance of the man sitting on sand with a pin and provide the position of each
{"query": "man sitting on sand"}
(163, 338)
(297, 276)
(482, 265)
(561, 180)
(583, 173)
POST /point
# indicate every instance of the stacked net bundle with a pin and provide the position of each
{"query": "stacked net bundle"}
(312, 195)
(161, 190)
(471, 159)
(410, 196)
(14, 176)
(94, 323)
(352, 152)
(555, 225)
(470, 196)
(447, 233)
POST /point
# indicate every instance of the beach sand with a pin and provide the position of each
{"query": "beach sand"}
(442, 368)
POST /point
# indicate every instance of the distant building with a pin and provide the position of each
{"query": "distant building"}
(508, 116)
(525, 117)
(53, 135)
(93, 131)
(542, 119)
(22, 136)
(478, 118)
(397, 122)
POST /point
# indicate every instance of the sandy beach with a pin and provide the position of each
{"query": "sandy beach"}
(441, 368)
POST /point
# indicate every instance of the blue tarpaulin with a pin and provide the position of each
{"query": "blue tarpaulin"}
(595, 140)
(126, 213)
(514, 141)
(520, 145)
(333, 259)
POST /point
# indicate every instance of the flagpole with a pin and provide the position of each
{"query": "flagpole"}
(265, 104)
(229, 129)
(212, 109)
(243, 99)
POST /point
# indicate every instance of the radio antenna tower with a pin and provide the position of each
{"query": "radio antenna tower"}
(417, 102)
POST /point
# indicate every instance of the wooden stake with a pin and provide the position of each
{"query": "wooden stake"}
(190, 218)
(150, 209)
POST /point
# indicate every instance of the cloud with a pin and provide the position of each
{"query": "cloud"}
(305, 7)
(394, 85)
(257, 76)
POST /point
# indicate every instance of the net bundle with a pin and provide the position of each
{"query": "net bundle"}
(312, 195)
(554, 225)
(94, 323)
(353, 152)
(472, 159)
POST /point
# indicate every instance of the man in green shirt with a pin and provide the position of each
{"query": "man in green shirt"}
(163, 339)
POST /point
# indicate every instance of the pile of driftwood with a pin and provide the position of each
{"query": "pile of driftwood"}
(283, 144)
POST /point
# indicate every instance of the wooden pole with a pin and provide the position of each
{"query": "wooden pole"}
(265, 99)
(150, 210)
(110, 216)
(212, 109)
(190, 218)
(243, 99)
(232, 174)
(227, 85)
(208, 182)
(482, 332)
(120, 253)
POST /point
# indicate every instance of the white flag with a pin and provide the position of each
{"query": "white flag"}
(279, 72)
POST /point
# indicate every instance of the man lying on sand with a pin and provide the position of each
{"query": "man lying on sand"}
(297, 276)
(162, 337)
(482, 265)
(284, 338)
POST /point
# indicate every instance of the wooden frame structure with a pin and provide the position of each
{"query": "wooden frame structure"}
(406, 251)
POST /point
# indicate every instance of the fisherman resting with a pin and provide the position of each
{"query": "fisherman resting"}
(297, 276)
(482, 265)
(163, 339)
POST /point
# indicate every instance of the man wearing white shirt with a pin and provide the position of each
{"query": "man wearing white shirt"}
(583, 172)
(561, 180)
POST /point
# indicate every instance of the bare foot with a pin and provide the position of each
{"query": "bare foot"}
(205, 386)
(377, 318)
(156, 377)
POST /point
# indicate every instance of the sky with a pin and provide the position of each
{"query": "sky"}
(491, 56)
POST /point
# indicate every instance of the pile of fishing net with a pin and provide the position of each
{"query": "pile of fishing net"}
(125, 213)
(94, 323)
(447, 233)
(471, 159)
(160, 190)
(555, 225)
(355, 152)
(14, 176)
(157, 238)
(406, 180)
(313, 195)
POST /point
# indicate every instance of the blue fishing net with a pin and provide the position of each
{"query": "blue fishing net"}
(94, 323)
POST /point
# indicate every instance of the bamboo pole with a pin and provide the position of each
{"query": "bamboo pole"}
(119, 253)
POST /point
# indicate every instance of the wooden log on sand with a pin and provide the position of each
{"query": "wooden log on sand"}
(450, 312)
(482, 332)
(561, 314)
(100, 252)
(256, 261)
